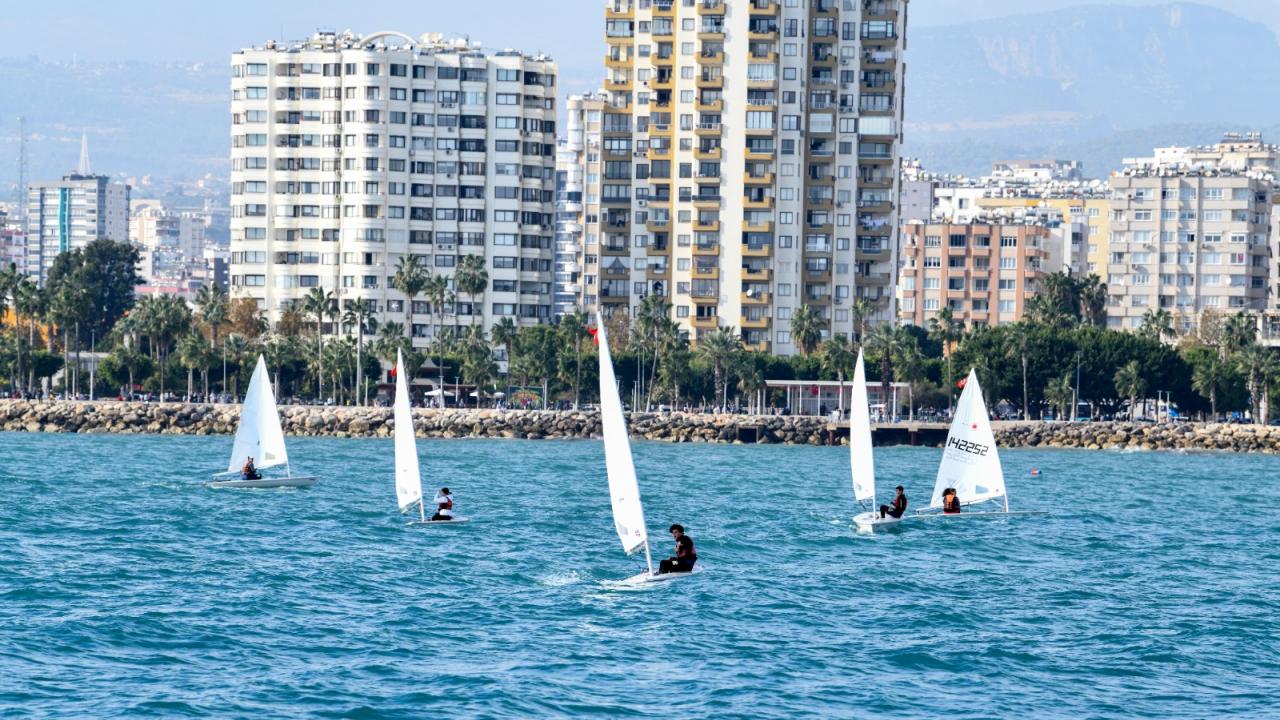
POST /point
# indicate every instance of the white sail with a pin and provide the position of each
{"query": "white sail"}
(861, 463)
(624, 491)
(259, 434)
(408, 481)
(970, 461)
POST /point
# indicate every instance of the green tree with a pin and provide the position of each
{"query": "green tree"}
(573, 330)
(1019, 346)
(1130, 383)
(411, 279)
(839, 354)
(883, 344)
(359, 314)
(947, 331)
(318, 303)
(720, 349)
(1059, 393)
(1157, 324)
(861, 309)
(1258, 365)
(472, 278)
(806, 329)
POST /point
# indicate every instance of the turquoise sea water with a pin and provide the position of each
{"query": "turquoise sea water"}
(128, 590)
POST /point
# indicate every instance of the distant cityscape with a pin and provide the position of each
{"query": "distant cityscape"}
(737, 166)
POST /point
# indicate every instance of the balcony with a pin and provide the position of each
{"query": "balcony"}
(714, 106)
(763, 274)
(760, 323)
(761, 227)
(711, 7)
(664, 8)
(702, 153)
(758, 153)
(765, 179)
(756, 298)
(709, 202)
(763, 203)
(706, 273)
(710, 129)
(705, 322)
(762, 251)
(711, 58)
(710, 82)
(706, 249)
(617, 62)
(619, 10)
(700, 225)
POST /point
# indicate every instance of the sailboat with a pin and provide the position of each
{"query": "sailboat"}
(861, 463)
(970, 461)
(624, 490)
(260, 437)
(408, 479)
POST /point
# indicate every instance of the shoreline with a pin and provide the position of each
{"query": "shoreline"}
(127, 418)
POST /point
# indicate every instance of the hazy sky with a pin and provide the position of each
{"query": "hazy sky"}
(569, 30)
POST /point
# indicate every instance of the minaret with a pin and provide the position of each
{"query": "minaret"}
(83, 169)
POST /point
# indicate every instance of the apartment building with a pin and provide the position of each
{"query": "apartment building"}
(749, 162)
(70, 213)
(985, 272)
(578, 203)
(1187, 239)
(351, 152)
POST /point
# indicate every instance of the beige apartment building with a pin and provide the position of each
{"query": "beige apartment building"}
(748, 163)
(986, 273)
(1187, 240)
(352, 152)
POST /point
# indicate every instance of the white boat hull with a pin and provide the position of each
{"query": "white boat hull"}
(871, 522)
(645, 578)
(455, 521)
(983, 514)
(295, 481)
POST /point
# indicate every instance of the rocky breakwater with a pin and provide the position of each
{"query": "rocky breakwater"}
(1143, 436)
(185, 419)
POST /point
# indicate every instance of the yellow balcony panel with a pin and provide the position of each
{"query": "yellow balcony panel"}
(709, 322)
(617, 63)
(765, 179)
(708, 129)
(659, 153)
(659, 273)
(763, 7)
(757, 324)
(712, 83)
(706, 249)
(764, 227)
(712, 273)
(664, 84)
(706, 201)
(759, 251)
(617, 84)
(709, 154)
(614, 299)
(712, 106)
(711, 35)
(619, 12)
(761, 275)
(664, 9)
(768, 57)
(756, 298)
(715, 58)
(711, 7)
(818, 300)
(762, 346)
(762, 204)
(769, 36)
(657, 226)
(711, 226)
(762, 84)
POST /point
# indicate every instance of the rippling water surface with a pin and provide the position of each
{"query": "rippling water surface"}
(127, 589)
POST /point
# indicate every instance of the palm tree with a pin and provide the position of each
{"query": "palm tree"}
(472, 278)
(883, 343)
(359, 313)
(1238, 331)
(806, 329)
(573, 329)
(1207, 378)
(909, 366)
(1131, 383)
(1019, 346)
(945, 329)
(27, 300)
(1157, 324)
(477, 360)
(211, 302)
(720, 348)
(318, 303)
(504, 335)
(838, 356)
(194, 355)
(1093, 300)
(1060, 392)
(1259, 366)
(411, 279)
(277, 351)
(439, 295)
(861, 309)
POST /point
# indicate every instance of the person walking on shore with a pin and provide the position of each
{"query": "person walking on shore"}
(685, 555)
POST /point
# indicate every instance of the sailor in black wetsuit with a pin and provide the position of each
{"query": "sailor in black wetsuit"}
(685, 556)
(950, 501)
(899, 505)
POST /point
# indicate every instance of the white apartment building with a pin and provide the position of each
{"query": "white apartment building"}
(351, 152)
(1187, 240)
(749, 163)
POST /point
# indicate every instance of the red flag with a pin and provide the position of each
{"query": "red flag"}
(960, 383)
(595, 335)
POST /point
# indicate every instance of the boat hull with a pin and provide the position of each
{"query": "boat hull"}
(871, 522)
(985, 514)
(433, 523)
(646, 578)
(266, 483)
